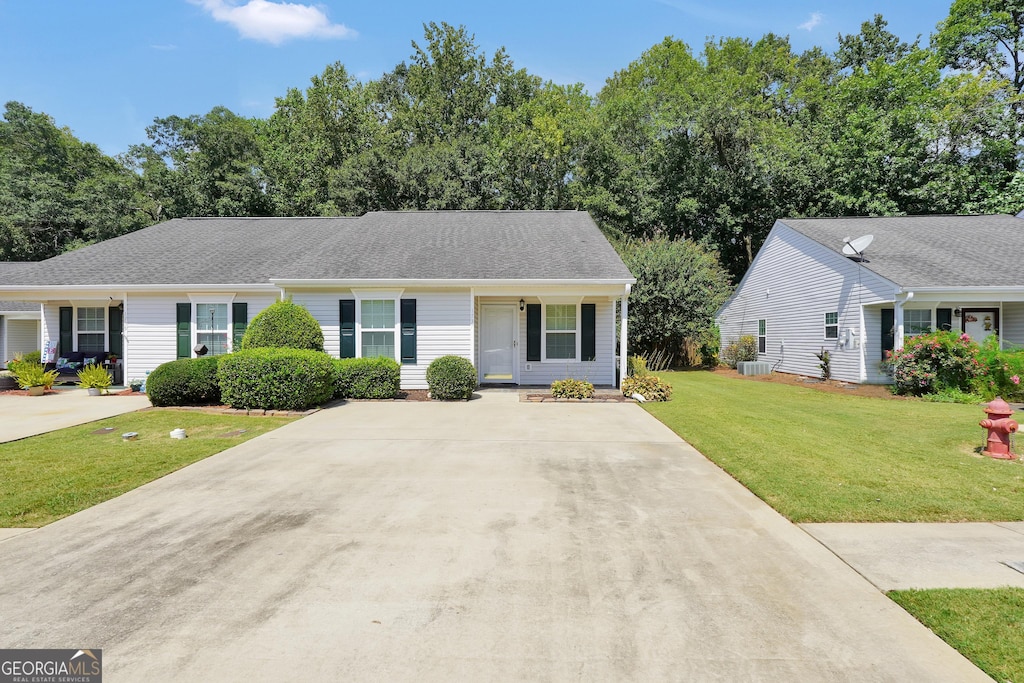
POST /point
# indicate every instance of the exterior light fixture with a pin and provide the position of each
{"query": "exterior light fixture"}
(522, 305)
(956, 312)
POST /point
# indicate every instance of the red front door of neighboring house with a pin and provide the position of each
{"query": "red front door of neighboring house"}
(980, 323)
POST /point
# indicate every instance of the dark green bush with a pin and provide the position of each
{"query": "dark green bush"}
(185, 382)
(367, 377)
(276, 379)
(284, 325)
(651, 387)
(451, 378)
(1003, 371)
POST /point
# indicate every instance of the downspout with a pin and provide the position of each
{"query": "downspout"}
(897, 342)
(624, 337)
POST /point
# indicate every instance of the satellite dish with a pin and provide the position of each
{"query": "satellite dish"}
(856, 247)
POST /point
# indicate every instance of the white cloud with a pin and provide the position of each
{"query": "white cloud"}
(812, 23)
(274, 22)
(165, 48)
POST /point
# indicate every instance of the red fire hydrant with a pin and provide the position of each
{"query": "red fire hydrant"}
(999, 426)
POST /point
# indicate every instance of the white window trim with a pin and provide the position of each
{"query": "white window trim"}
(544, 329)
(211, 299)
(827, 325)
(379, 294)
(762, 336)
(106, 323)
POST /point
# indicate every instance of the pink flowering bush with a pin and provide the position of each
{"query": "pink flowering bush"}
(940, 361)
(1004, 368)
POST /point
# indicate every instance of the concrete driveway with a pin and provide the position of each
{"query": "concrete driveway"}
(489, 540)
(22, 416)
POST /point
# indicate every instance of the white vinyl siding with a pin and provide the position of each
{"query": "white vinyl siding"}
(22, 337)
(792, 281)
(443, 325)
(150, 328)
(600, 371)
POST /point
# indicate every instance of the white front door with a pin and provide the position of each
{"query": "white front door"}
(981, 323)
(498, 331)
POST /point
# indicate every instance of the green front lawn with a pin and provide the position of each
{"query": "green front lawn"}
(822, 457)
(46, 477)
(986, 626)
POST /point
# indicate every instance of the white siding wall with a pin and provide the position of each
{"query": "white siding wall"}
(600, 371)
(22, 336)
(792, 283)
(443, 322)
(1012, 324)
(150, 328)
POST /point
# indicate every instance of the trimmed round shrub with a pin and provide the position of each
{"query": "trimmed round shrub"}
(276, 379)
(451, 378)
(367, 378)
(284, 325)
(185, 382)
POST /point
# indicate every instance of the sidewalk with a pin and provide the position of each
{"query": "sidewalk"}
(23, 416)
(899, 556)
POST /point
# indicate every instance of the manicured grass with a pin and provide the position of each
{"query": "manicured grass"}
(46, 477)
(986, 626)
(821, 457)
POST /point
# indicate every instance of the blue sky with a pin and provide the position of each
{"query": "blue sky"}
(107, 68)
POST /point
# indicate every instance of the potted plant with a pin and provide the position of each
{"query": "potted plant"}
(35, 379)
(135, 385)
(8, 380)
(94, 378)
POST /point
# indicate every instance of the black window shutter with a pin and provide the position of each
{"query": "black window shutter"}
(114, 326)
(409, 331)
(66, 340)
(239, 321)
(944, 319)
(888, 331)
(532, 332)
(348, 329)
(184, 330)
(588, 341)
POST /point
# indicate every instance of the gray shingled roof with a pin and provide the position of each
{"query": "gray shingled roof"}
(7, 270)
(384, 245)
(930, 251)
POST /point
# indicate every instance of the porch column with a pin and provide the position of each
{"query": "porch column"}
(624, 336)
(897, 332)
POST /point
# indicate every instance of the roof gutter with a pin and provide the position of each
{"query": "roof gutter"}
(448, 282)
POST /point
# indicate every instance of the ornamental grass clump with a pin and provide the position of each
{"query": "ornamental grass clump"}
(930, 363)
(572, 388)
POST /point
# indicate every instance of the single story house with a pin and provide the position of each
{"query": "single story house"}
(19, 320)
(857, 287)
(528, 296)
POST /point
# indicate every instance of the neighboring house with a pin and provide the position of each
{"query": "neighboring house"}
(802, 294)
(528, 296)
(19, 320)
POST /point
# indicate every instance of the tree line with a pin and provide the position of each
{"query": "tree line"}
(709, 148)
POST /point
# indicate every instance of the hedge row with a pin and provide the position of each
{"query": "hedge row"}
(295, 379)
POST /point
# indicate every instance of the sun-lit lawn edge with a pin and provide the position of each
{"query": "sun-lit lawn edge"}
(984, 625)
(44, 478)
(822, 457)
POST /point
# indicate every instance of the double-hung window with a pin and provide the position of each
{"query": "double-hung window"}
(916, 321)
(762, 336)
(377, 320)
(560, 331)
(90, 327)
(212, 327)
(832, 325)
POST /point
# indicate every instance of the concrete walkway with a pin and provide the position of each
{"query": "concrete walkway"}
(22, 416)
(489, 540)
(898, 556)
